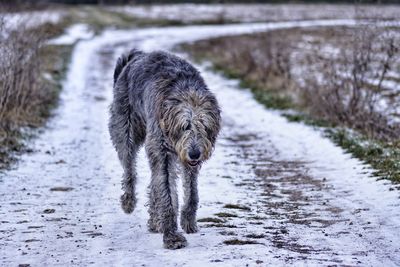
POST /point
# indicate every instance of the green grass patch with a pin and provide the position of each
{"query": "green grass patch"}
(384, 157)
(272, 100)
(300, 117)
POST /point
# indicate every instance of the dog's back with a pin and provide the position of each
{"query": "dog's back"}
(123, 61)
(137, 68)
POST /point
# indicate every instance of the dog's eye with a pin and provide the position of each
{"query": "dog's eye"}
(209, 132)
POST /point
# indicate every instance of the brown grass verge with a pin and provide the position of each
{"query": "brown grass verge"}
(30, 74)
(334, 74)
(331, 77)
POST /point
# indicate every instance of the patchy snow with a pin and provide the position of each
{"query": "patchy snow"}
(385, 101)
(12, 21)
(306, 202)
(73, 34)
(190, 13)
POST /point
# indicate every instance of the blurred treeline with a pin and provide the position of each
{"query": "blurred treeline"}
(16, 2)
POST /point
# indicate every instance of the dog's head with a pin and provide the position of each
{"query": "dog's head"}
(190, 121)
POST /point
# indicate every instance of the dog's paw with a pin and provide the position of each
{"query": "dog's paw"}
(188, 224)
(174, 241)
(128, 202)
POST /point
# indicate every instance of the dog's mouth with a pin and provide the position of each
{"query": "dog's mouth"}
(193, 163)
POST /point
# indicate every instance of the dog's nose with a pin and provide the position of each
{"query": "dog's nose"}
(194, 154)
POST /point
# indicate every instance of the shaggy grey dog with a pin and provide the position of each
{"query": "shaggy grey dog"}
(162, 101)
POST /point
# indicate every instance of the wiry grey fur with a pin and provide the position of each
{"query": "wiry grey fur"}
(162, 101)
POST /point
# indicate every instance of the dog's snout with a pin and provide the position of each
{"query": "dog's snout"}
(194, 154)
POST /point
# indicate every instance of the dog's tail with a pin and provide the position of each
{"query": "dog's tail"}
(123, 61)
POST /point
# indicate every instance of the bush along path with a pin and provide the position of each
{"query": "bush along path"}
(275, 192)
(326, 75)
(31, 76)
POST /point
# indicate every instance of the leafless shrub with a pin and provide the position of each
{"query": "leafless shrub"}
(275, 64)
(20, 78)
(29, 73)
(220, 17)
(339, 74)
(346, 87)
(265, 59)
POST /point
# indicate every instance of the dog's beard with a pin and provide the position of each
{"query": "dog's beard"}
(183, 145)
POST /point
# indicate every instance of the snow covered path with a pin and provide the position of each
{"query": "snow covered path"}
(279, 189)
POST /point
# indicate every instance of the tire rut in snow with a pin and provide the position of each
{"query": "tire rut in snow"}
(284, 203)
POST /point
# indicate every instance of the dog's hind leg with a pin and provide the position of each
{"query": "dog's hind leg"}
(191, 200)
(153, 224)
(127, 143)
(128, 198)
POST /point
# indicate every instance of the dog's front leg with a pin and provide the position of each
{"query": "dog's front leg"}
(163, 190)
(168, 208)
(191, 200)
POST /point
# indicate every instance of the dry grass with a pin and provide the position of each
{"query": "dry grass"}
(19, 73)
(338, 76)
(335, 74)
(20, 86)
(26, 95)
(262, 68)
(345, 86)
(263, 61)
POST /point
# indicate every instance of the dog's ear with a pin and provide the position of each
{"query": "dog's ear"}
(161, 84)
(160, 113)
(213, 112)
(161, 122)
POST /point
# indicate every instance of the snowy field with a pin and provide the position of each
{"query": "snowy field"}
(30, 19)
(302, 200)
(256, 12)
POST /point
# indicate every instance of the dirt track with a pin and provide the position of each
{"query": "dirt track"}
(274, 193)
